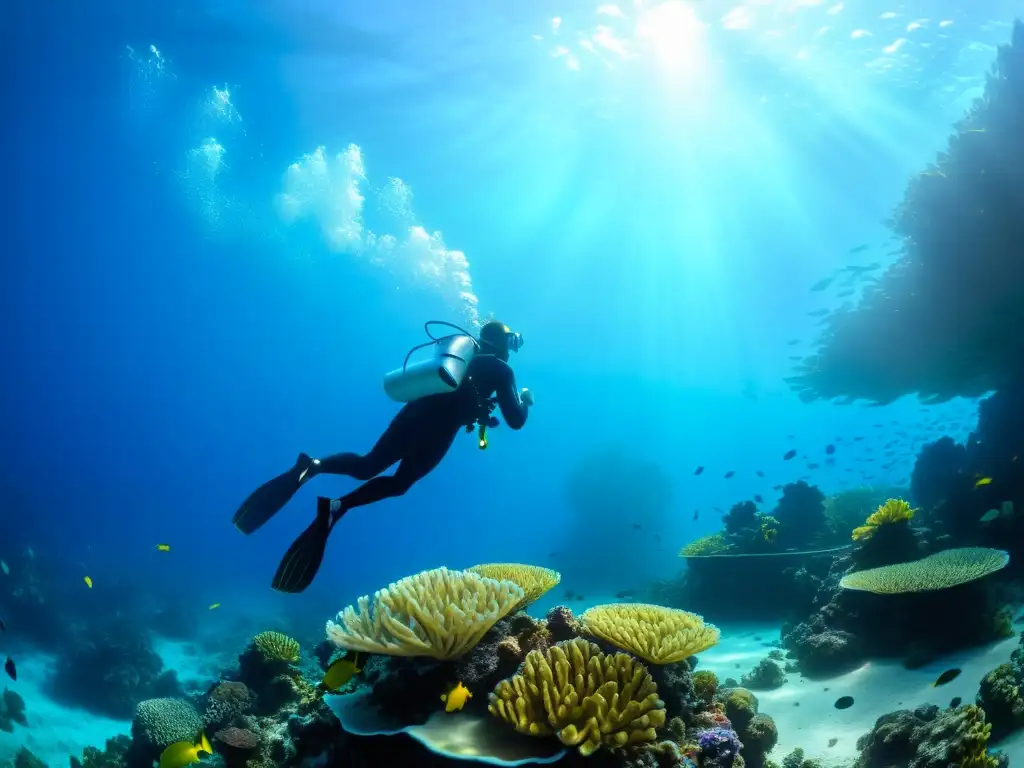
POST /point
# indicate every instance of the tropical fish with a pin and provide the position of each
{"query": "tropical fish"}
(88, 581)
(455, 699)
(821, 285)
(698, 470)
(696, 514)
(992, 514)
(955, 702)
(791, 453)
(340, 672)
(946, 677)
(859, 248)
(163, 547)
(625, 594)
(3, 627)
(983, 481)
(843, 702)
(760, 473)
(830, 449)
(12, 671)
(729, 474)
(758, 498)
(4, 568)
(182, 753)
(214, 606)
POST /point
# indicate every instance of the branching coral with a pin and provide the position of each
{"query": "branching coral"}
(533, 579)
(892, 512)
(438, 613)
(276, 646)
(942, 570)
(657, 634)
(584, 697)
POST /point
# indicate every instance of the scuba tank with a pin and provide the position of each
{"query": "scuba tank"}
(442, 372)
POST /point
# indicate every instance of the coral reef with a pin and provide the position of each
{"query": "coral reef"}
(766, 676)
(824, 652)
(440, 613)
(534, 580)
(1000, 696)
(110, 670)
(113, 755)
(583, 696)
(654, 633)
(955, 220)
(801, 515)
(928, 738)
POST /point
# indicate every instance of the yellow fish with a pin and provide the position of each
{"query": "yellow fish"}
(456, 698)
(983, 481)
(163, 547)
(340, 672)
(214, 606)
(88, 582)
(182, 753)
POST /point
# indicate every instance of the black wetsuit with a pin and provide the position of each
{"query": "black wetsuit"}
(421, 433)
(417, 439)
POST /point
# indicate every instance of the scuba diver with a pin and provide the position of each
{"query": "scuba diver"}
(457, 388)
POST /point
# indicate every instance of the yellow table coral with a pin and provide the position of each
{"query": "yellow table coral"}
(655, 633)
(534, 579)
(942, 570)
(438, 613)
(584, 697)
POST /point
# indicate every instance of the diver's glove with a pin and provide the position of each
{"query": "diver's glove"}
(526, 396)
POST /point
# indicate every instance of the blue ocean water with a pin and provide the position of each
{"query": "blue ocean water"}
(226, 221)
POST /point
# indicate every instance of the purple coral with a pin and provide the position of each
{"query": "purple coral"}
(719, 747)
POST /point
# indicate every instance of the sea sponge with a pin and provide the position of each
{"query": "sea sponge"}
(657, 634)
(715, 544)
(584, 697)
(439, 613)
(892, 511)
(942, 570)
(159, 722)
(533, 579)
(705, 683)
(276, 646)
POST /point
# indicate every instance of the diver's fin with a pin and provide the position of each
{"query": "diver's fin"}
(267, 500)
(301, 562)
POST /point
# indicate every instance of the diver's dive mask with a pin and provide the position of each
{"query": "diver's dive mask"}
(515, 340)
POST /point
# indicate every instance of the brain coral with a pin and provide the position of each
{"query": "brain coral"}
(438, 613)
(939, 571)
(584, 697)
(655, 633)
(159, 722)
(533, 579)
